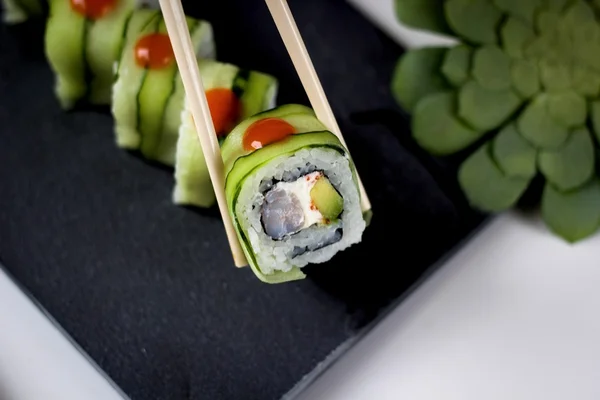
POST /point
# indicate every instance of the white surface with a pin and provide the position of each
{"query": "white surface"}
(513, 315)
(36, 361)
(382, 13)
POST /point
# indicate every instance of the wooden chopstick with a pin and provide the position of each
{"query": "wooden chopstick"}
(284, 20)
(187, 63)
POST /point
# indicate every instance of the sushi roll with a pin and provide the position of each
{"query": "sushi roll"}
(291, 191)
(18, 11)
(233, 94)
(148, 94)
(82, 41)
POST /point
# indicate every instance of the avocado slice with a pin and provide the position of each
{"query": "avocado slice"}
(327, 200)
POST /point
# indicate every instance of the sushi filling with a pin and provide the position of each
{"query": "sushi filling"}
(275, 216)
(288, 207)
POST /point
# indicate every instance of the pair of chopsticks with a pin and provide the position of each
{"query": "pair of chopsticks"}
(188, 66)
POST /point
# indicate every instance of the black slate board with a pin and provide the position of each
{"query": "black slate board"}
(148, 289)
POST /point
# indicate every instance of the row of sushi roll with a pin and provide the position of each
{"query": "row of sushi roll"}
(291, 186)
(18, 11)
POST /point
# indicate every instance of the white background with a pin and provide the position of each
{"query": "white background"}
(514, 315)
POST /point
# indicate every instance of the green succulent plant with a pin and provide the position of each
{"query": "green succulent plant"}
(523, 83)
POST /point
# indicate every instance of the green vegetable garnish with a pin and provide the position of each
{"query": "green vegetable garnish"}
(525, 76)
(327, 200)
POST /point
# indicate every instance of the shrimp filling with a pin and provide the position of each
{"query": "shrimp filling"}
(288, 207)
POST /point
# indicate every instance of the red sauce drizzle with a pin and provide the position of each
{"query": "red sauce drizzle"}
(266, 131)
(93, 9)
(154, 51)
(225, 109)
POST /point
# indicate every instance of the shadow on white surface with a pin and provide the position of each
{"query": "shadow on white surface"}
(37, 360)
(513, 316)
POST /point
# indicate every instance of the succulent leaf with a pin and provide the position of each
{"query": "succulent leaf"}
(595, 113)
(536, 125)
(557, 5)
(484, 184)
(547, 20)
(474, 20)
(523, 9)
(491, 68)
(436, 128)
(555, 76)
(579, 12)
(585, 80)
(417, 75)
(486, 109)
(514, 35)
(572, 215)
(422, 14)
(572, 165)
(457, 64)
(525, 78)
(515, 156)
(568, 109)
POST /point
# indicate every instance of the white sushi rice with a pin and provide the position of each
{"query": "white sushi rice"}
(272, 255)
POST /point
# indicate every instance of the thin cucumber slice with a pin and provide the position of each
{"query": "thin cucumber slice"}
(259, 94)
(484, 184)
(302, 118)
(245, 164)
(104, 40)
(65, 40)
(129, 80)
(573, 164)
(172, 118)
(572, 215)
(152, 99)
(192, 180)
(417, 75)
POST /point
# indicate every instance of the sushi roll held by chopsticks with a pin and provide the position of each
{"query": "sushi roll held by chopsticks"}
(285, 184)
(291, 192)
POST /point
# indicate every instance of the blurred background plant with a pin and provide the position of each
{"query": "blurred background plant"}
(519, 93)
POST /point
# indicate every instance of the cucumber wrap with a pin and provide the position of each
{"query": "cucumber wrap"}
(82, 51)
(147, 103)
(18, 11)
(255, 91)
(272, 184)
